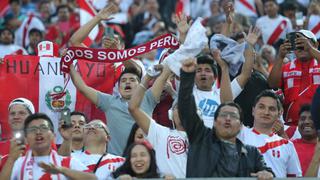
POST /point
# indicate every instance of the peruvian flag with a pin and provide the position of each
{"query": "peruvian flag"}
(87, 12)
(39, 79)
(183, 6)
(4, 6)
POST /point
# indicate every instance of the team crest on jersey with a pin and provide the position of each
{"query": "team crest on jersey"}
(57, 103)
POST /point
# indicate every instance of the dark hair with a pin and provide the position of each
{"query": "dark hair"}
(288, 5)
(130, 140)
(268, 93)
(62, 6)
(265, 1)
(7, 29)
(35, 30)
(305, 107)
(36, 116)
(131, 70)
(73, 113)
(206, 59)
(230, 103)
(126, 167)
(14, 1)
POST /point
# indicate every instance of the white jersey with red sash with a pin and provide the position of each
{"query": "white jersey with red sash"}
(26, 167)
(295, 95)
(314, 25)
(274, 29)
(246, 7)
(103, 165)
(11, 49)
(279, 154)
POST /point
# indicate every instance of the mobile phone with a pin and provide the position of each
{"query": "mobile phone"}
(19, 136)
(65, 116)
(292, 37)
(109, 32)
(299, 18)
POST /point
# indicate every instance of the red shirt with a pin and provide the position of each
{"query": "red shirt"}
(305, 152)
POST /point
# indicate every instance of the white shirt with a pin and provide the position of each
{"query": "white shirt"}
(268, 26)
(37, 171)
(279, 153)
(208, 101)
(171, 148)
(107, 165)
(314, 20)
(239, 7)
(11, 49)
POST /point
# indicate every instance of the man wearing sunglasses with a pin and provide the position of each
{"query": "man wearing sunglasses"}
(96, 138)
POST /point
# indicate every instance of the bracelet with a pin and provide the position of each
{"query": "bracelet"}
(141, 85)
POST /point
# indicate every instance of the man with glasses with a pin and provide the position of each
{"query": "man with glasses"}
(96, 158)
(41, 161)
(216, 152)
(278, 152)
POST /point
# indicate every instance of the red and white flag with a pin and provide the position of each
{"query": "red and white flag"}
(183, 6)
(87, 12)
(39, 78)
(4, 6)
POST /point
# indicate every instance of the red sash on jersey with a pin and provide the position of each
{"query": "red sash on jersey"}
(248, 5)
(277, 32)
(316, 29)
(25, 30)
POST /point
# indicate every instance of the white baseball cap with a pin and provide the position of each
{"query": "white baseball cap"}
(23, 101)
(308, 34)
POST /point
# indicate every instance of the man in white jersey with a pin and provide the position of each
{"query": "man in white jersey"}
(274, 26)
(95, 157)
(170, 144)
(7, 46)
(41, 161)
(250, 8)
(279, 153)
(206, 92)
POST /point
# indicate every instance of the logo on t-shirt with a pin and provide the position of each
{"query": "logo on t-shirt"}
(208, 107)
(176, 145)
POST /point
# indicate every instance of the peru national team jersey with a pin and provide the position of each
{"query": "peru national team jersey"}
(107, 165)
(246, 7)
(274, 29)
(278, 152)
(171, 148)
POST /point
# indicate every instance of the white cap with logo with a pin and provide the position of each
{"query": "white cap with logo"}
(23, 101)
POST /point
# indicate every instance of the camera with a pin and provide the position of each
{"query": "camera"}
(65, 117)
(292, 37)
(19, 136)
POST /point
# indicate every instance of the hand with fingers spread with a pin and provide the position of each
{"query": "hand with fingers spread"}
(181, 21)
(284, 49)
(253, 35)
(216, 54)
(263, 175)
(66, 132)
(105, 13)
(303, 43)
(189, 65)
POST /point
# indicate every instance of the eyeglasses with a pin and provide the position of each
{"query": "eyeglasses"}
(35, 129)
(231, 114)
(95, 126)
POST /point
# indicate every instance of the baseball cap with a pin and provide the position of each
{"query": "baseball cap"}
(23, 101)
(309, 34)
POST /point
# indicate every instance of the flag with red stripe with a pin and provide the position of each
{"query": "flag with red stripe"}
(4, 6)
(183, 6)
(38, 78)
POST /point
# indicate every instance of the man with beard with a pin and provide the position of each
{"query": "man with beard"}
(6, 44)
(306, 145)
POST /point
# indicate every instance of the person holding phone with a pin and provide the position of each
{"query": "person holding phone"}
(299, 78)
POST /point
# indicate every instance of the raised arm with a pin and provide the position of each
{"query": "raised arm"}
(87, 91)
(160, 82)
(225, 86)
(249, 55)
(79, 36)
(142, 119)
(276, 72)
(186, 102)
(183, 26)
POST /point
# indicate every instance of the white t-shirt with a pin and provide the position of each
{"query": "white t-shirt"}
(107, 165)
(278, 153)
(239, 7)
(37, 171)
(11, 49)
(208, 101)
(171, 148)
(313, 22)
(268, 26)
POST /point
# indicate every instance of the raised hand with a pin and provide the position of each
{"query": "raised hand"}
(181, 21)
(189, 65)
(263, 175)
(216, 54)
(303, 42)
(253, 35)
(111, 42)
(105, 13)
(16, 149)
(284, 49)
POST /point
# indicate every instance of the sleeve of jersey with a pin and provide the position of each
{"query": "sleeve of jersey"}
(149, 103)
(235, 88)
(154, 133)
(293, 164)
(104, 101)
(77, 165)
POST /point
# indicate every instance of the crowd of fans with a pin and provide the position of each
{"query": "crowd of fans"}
(245, 104)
